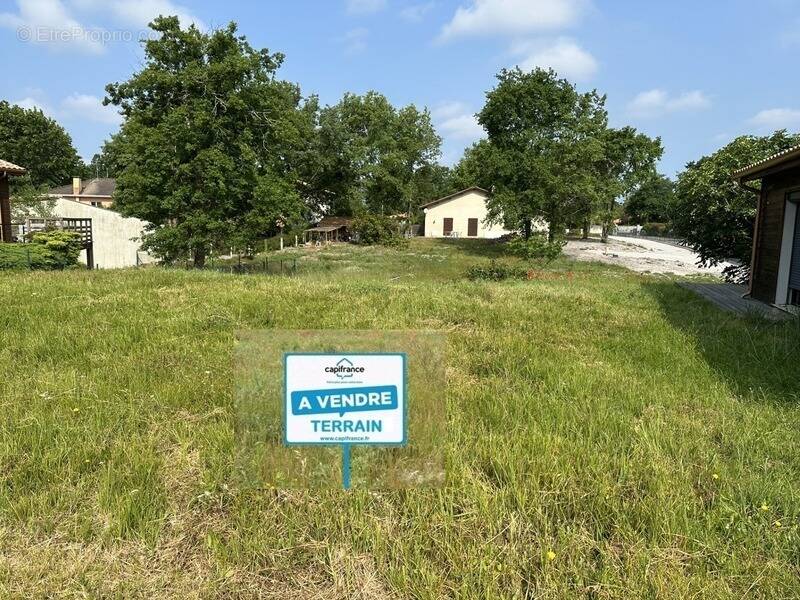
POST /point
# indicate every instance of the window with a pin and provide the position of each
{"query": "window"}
(472, 227)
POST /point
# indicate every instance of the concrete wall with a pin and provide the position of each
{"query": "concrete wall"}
(114, 236)
(471, 205)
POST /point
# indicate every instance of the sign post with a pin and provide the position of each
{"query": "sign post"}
(345, 400)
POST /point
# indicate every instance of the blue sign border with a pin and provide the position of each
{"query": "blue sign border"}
(404, 442)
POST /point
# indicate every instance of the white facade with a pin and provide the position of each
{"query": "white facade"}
(115, 237)
(455, 212)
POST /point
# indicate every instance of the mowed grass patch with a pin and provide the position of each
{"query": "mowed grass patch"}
(646, 439)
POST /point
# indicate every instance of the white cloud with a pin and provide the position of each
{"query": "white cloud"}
(90, 108)
(564, 56)
(657, 102)
(52, 22)
(777, 118)
(416, 12)
(48, 22)
(456, 122)
(138, 13)
(365, 7)
(77, 107)
(355, 40)
(31, 102)
(513, 17)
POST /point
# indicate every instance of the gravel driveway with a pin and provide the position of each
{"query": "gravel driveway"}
(644, 256)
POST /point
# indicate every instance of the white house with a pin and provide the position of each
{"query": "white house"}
(462, 214)
(115, 238)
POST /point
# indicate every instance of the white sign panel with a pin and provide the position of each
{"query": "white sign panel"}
(344, 399)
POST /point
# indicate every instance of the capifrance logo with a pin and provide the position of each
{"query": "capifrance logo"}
(344, 369)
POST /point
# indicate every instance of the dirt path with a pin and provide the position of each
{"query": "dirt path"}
(644, 256)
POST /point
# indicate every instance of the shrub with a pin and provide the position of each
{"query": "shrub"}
(656, 229)
(495, 271)
(536, 248)
(48, 250)
(376, 229)
(24, 256)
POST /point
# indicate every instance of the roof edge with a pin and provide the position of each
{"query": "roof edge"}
(474, 188)
(753, 170)
(11, 168)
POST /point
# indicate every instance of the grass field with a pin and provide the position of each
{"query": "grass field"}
(609, 436)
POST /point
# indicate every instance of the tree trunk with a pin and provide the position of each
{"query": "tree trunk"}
(587, 225)
(551, 233)
(607, 221)
(526, 229)
(199, 258)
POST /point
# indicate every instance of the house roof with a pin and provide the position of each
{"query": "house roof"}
(325, 229)
(757, 169)
(102, 187)
(335, 222)
(456, 195)
(11, 168)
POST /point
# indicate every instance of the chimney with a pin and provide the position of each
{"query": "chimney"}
(76, 186)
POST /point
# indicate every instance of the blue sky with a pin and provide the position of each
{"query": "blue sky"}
(695, 73)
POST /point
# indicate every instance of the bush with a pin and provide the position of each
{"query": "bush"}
(495, 271)
(656, 229)
(24, 256)
(536, 248)
(376, 229)
(48, 250)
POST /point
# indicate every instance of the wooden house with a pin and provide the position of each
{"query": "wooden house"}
(775, 264)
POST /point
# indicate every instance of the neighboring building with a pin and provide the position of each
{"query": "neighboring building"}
(115, 238)
(330, 229)
(775, 264)
(94, 192)
(462, 214)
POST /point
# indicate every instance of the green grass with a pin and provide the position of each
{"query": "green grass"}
(588, 417)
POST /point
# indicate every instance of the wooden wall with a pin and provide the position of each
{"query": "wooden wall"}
(770, 233)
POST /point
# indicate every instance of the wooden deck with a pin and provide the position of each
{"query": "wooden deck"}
(728, 296)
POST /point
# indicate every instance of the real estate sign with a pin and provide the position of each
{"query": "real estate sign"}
(345, 399)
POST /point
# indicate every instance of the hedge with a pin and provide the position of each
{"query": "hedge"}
(50, 250)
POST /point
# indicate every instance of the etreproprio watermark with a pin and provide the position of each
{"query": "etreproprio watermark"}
(81, 34)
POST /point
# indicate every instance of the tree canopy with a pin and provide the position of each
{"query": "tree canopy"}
(373, 156)
(550, 154)
(713, 213)
(212, 142)
(33, 140)
(652, 202)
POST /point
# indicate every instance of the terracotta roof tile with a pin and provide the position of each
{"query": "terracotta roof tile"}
(11, 168)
